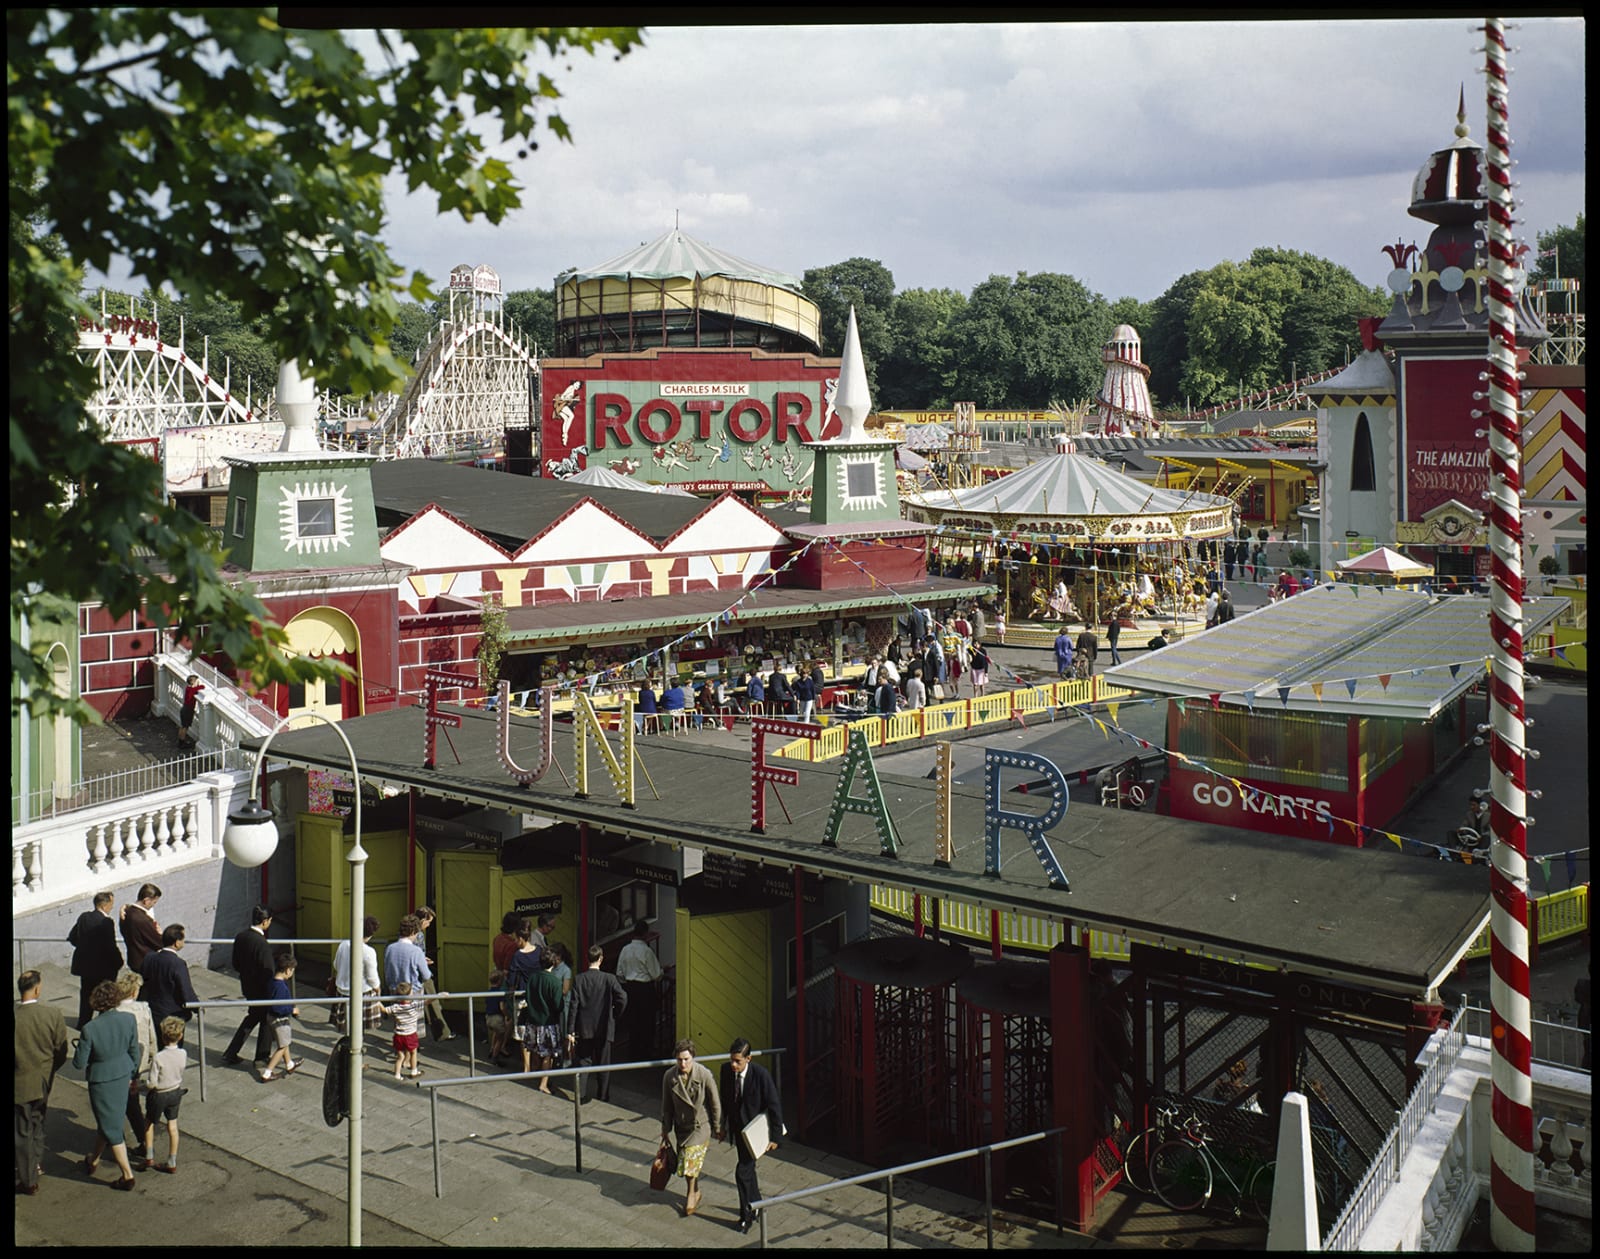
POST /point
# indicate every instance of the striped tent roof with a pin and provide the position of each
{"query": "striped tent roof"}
(1071, 485)
(677, 255)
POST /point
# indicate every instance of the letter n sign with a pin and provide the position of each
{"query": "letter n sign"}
(1032, 825)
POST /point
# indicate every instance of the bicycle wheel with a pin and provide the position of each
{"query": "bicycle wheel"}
(1136, 1161)
(1182, 1175)
(1258, 1194)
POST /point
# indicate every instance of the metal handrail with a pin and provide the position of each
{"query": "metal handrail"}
(889, 1173)
(433, 1087)
(200, 1008)
(19, 941)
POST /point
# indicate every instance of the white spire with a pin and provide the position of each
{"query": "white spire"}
(853, 401)
(297, 404)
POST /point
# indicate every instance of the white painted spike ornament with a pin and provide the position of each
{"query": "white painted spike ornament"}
(853, 402)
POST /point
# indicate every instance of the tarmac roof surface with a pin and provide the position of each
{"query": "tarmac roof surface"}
(512, 509)
(769, 605)
(1371, 918)
(1396, 646)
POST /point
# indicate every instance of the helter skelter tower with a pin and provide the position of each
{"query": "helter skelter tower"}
(1123, 407)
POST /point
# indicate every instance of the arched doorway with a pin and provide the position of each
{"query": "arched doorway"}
(324, 634)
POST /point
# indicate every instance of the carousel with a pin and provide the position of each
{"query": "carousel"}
(1076, 540)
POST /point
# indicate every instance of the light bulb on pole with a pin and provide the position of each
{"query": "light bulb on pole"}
(250, 839)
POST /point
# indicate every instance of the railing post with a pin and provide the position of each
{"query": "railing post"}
(577, 1119)
(1060, 1161)
(761, 1216)
(888, 1202)
(438, 1162)
(472, 1038)
(988, 1197)
(200, 1034)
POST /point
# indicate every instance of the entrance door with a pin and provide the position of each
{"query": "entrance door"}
(473, 893)
(324, 634)
(725, 979)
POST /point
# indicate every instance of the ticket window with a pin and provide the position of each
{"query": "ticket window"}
(617, 909)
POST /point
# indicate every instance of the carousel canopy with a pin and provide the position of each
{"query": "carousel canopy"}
(1081, 499)
(1386, 563)
(616, 481)
(927, 437)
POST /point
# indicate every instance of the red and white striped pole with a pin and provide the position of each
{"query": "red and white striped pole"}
(1511, 1220)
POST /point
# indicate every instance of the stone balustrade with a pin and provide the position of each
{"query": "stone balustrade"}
(141, 838)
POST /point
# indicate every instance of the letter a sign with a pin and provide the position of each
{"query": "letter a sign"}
(858, 762)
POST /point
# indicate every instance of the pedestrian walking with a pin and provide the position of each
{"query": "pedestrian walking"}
(165, 1075)
(191, 701)
(167, 987)
(1088, 647)
(639, 971)
(282, 1013)
(1063, 654)
(371, 984)
(916, 691)
(432, 1011)
(1229, 556)
(804, 691)
(39, 1050)
(407, 1011)
(690, 1112)
(1225, 609)
(404, 961)
(130, 986)
(108, 1054)
(1114, 635)
(141, 934)
(980, 668)
(95, 955)
(598, 1004)
(524, 965)
(886, 699)
(543, 927)
(748, 1091)
(253, 961)
(546, 1014)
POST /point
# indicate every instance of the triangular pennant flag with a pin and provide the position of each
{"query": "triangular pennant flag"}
(1250, 700)
(1544, 868)
(1330, 828)
(1350, 685)
(1572, 867)
(1356, 590)
(1103, 731)
(1330, 574)
(1383, 680)
(1283, 696)
(1454, 669)
(1112, 709)
(1316, 689)
(1141, 743)
(1488, 665)
(1216, 699)
(1562, 652)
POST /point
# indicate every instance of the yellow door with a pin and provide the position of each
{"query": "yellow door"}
(322, 875)
(473, 895)
(724, 979)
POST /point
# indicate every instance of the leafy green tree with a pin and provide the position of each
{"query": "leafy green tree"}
(917, 372)
(233, 160)
(534, 311)
(1567, 244)
(868, 285)
(1023, 342)
(414, 324)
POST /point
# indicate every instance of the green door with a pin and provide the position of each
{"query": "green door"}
(322, 878)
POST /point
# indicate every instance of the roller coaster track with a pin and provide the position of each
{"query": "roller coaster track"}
(477, 377)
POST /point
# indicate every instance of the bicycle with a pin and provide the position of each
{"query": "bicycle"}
(1136, 1158)
(1183, 1171)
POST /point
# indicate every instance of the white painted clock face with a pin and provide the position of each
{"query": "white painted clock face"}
(315, 518)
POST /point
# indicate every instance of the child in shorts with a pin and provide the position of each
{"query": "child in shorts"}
(283, 972)
(166, 1091)
(407, 1015)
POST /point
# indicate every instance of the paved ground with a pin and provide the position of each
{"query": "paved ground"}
(509, 1177)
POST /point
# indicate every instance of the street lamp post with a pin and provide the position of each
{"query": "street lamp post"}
(250, 839)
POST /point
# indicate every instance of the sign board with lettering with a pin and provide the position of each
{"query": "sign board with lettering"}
(529, 906)
(733, 874)
(1441, 456)
(703, 420)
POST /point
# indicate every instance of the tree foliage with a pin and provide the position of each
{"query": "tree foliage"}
(1567, 242)
(867, 285)
(1022, 342)
(237, 162)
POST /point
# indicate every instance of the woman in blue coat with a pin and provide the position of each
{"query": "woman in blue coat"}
(109, 1049)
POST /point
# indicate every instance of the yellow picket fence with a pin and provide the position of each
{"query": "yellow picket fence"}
(1556, 916)
(952, 715)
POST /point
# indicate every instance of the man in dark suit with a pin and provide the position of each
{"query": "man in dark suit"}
(140, 931)
(598, 1000)
(40, 1034)
(747, 1091)
(167, 988)
(252, 958)
(95, 955)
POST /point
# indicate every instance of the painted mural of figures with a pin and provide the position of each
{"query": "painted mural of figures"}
(684, 450)
(757, 457)
(627, 467)
(666, 458)
(790, 465)
(830, 391)
(566, 467)
(563, 407)
(719, 452)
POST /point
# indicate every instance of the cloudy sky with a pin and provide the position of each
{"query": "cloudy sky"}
(1125, 154)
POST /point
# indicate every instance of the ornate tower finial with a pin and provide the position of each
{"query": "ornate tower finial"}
(1461, 115)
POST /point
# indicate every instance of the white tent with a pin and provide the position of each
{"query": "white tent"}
(607, 479)
(1384, 562)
